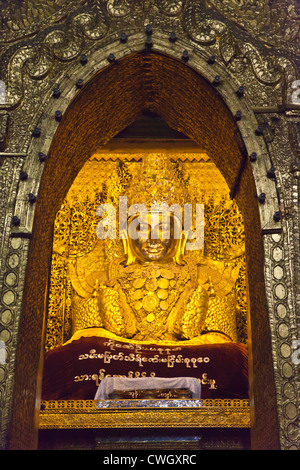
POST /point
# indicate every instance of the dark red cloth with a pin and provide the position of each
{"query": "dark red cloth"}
(74, 371)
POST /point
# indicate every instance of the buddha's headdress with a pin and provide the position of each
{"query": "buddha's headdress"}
(157, 185)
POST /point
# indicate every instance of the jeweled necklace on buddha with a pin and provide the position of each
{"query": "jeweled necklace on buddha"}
(153, 290)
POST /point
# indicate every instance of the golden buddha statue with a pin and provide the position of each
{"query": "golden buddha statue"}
(155, 292)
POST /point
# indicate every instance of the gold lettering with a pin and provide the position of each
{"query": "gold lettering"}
(97, 378)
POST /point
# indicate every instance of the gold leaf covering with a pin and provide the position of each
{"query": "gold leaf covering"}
(81, 261)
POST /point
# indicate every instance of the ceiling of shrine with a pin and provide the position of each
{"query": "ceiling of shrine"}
(275, 23)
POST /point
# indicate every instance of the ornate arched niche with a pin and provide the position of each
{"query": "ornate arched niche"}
(108, 103)
(79, 258)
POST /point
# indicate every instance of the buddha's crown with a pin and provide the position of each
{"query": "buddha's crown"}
(157, 185)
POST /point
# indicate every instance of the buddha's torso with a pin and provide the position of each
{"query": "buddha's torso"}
(148, 301)
(157, 295)
(154, 301)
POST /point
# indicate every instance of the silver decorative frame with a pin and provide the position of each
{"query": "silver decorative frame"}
(31, 67)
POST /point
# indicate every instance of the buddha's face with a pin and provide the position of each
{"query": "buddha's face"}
(154, 237)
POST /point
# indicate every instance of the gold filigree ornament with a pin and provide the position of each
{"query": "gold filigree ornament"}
(157, 184)
(78, 414)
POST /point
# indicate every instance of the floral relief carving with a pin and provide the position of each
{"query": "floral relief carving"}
(65, 41)
(90, 22)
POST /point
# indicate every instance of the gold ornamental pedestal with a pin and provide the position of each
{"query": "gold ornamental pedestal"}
(182, 413)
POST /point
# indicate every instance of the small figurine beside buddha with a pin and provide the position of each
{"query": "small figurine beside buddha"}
(155, 292)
